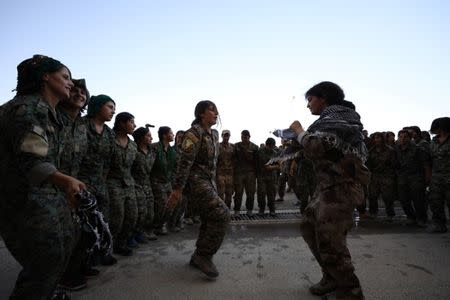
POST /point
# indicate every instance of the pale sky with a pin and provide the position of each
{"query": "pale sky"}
(254, 59)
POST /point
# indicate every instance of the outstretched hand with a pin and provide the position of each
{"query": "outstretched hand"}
(297, 127)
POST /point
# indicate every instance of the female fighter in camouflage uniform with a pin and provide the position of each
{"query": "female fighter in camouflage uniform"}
(141, 170)
(123, 213)
(35, 218)
(197, 169)
(335, 145)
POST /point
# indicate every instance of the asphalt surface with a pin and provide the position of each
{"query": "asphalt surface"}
(270, 261)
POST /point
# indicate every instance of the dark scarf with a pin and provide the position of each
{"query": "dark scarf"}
(341, 127)
(92, 224)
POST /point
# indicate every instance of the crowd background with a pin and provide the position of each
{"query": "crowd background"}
(51, 146)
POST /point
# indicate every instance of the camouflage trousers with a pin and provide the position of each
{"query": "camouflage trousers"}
(161, 192)
(284, 179)
(177, 215)
(439, 195)
(384, 186)
(411, 193)
(101, 194)
(225, 187)
(304, 187)
(123, 212)
(324, 227)
(145, 206)
(267, 187)
(39, 236)
(244, 181)
(214, 215)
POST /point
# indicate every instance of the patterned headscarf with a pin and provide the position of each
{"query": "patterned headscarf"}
(342, 127)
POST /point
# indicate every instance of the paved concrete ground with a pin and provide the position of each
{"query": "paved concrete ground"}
(272, 261)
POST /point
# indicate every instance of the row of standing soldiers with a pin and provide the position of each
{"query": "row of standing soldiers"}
(414, 171)
(244, 167)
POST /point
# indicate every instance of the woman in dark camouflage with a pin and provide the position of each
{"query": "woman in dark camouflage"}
(335, 145)
(35, 215)
(196, 172)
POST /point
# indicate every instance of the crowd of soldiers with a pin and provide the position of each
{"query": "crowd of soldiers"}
(51, 151)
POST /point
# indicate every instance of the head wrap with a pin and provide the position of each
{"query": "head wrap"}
(96, 103)
(31, 71)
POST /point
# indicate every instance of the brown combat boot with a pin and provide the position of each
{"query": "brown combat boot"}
(324, 286)
(204, 264)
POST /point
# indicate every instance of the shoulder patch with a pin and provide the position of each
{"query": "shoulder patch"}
(189, 141)
(35, 142)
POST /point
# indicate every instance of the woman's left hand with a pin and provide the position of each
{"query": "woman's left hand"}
(174, 199)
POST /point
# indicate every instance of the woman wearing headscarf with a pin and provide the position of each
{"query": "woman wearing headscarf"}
(123, 213)
(197, 169)
(35, 221)
(335, 145)
(96, 162)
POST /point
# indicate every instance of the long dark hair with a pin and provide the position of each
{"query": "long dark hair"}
(122, 117)
(30, 73)
(163, 130)
(200, 108)
(329, 91)
(139, 133)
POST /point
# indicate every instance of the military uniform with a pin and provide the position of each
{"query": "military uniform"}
(197, 168)
(95, 164)
(161, 181)
(123, 207)
(328, 217)
(75, 148)
(35, 221)
(284, 178)
(225, 169)
(305, 184)
(266, 180)
(381, 162)
(141, 170)
(411, 181)
(440, 181)
(246, 157)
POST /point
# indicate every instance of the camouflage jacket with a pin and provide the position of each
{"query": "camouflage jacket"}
(31, 144)
(440, 155)
(198, 157)
(246, 157)
(264, 156)
(142, 167)
(411, 161)
(225, 161)
(123, 159)
(95, 164)
(331, 167)
(165, 162)
(75, 144)
(382, 162)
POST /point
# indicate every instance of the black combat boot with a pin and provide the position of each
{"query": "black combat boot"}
(204, 264)
(324, 286)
